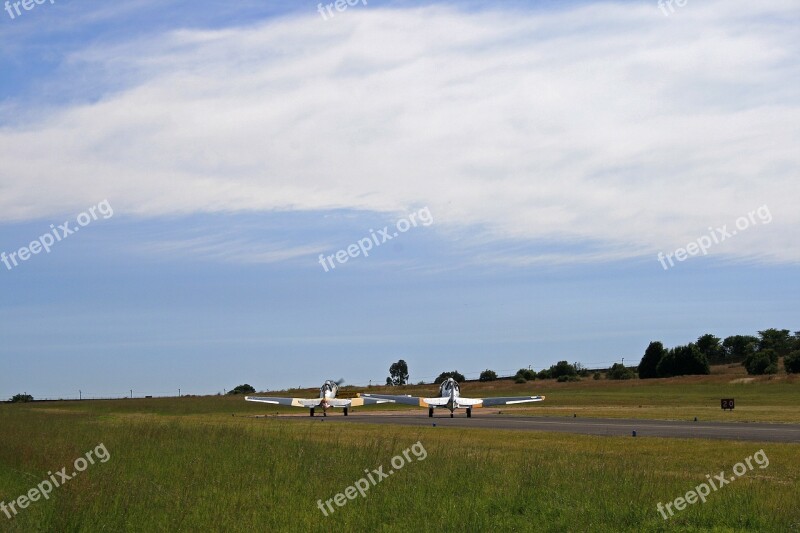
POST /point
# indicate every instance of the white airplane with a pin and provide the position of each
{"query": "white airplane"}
(450, 398)
(327, 399)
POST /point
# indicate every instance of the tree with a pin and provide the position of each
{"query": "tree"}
(792, 362)
(242, 389)
(620, 371)
(455, 374)
(488, 375)
(581, 370)
(682, 361)
(545, 373)
(398, 373)
(762, 362)
(739, 347)
(562, 368)
(21, 398)
(711, 347)
(648, 366)
(526, 373)
(779, 340)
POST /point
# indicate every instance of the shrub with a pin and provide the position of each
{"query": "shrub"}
(526, 373)
(520, 379)
(563, 368)
(544, 374)
(21, 398)
(596, 376)
(455, 374)
(792, 362)
(565, 378)
(242, 389)
(488, 375)
(620, 371)
(762, 362)
(683, 361)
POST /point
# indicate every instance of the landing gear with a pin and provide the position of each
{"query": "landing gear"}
(430, 412)
(324, 412)
(469, 412)
(345, 411)
(451, 414)
(312, 411)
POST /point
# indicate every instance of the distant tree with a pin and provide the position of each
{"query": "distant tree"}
(568, 377)
(762, 362)
(455, 374)
(526, 373)
(792, 362)
(562, 368)
(488, 375)
(596, 376)
(581, 370)
(779, 340)
(711, 347)
(519, 379)
(620, 371)
(739, 347)
(21, 398)
(796, 340)
(545, 373)
(398, 373)
(683, 361)
(242, 389)
(648, 367)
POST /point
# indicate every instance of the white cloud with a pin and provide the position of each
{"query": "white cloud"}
(608, 124)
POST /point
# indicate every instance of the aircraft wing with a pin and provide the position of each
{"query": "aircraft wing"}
(357, 402)
(510, 400)
(407, 400)
(293, 402)
(315, 402)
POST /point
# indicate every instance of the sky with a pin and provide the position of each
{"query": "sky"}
(505, 184)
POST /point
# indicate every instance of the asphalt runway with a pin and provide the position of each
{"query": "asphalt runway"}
(744, 431)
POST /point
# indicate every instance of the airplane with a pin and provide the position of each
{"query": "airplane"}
(327, 399)
(450, 398)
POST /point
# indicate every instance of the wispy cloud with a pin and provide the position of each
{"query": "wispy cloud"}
(606, 124)
(221, 248)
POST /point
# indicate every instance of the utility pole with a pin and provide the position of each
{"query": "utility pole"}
(179, 393)
(131, 394)
(80, 394)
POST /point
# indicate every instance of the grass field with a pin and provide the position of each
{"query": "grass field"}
(188, 465)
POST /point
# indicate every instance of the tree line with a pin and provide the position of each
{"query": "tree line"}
(759, 355)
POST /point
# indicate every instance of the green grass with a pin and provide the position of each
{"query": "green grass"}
(188, 465)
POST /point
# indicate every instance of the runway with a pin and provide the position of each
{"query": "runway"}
(743, 431)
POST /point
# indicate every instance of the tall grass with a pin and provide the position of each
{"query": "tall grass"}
(187, 472)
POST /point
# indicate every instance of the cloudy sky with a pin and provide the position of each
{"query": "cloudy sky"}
(559, 148)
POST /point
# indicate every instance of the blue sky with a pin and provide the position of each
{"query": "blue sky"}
(558, 150)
